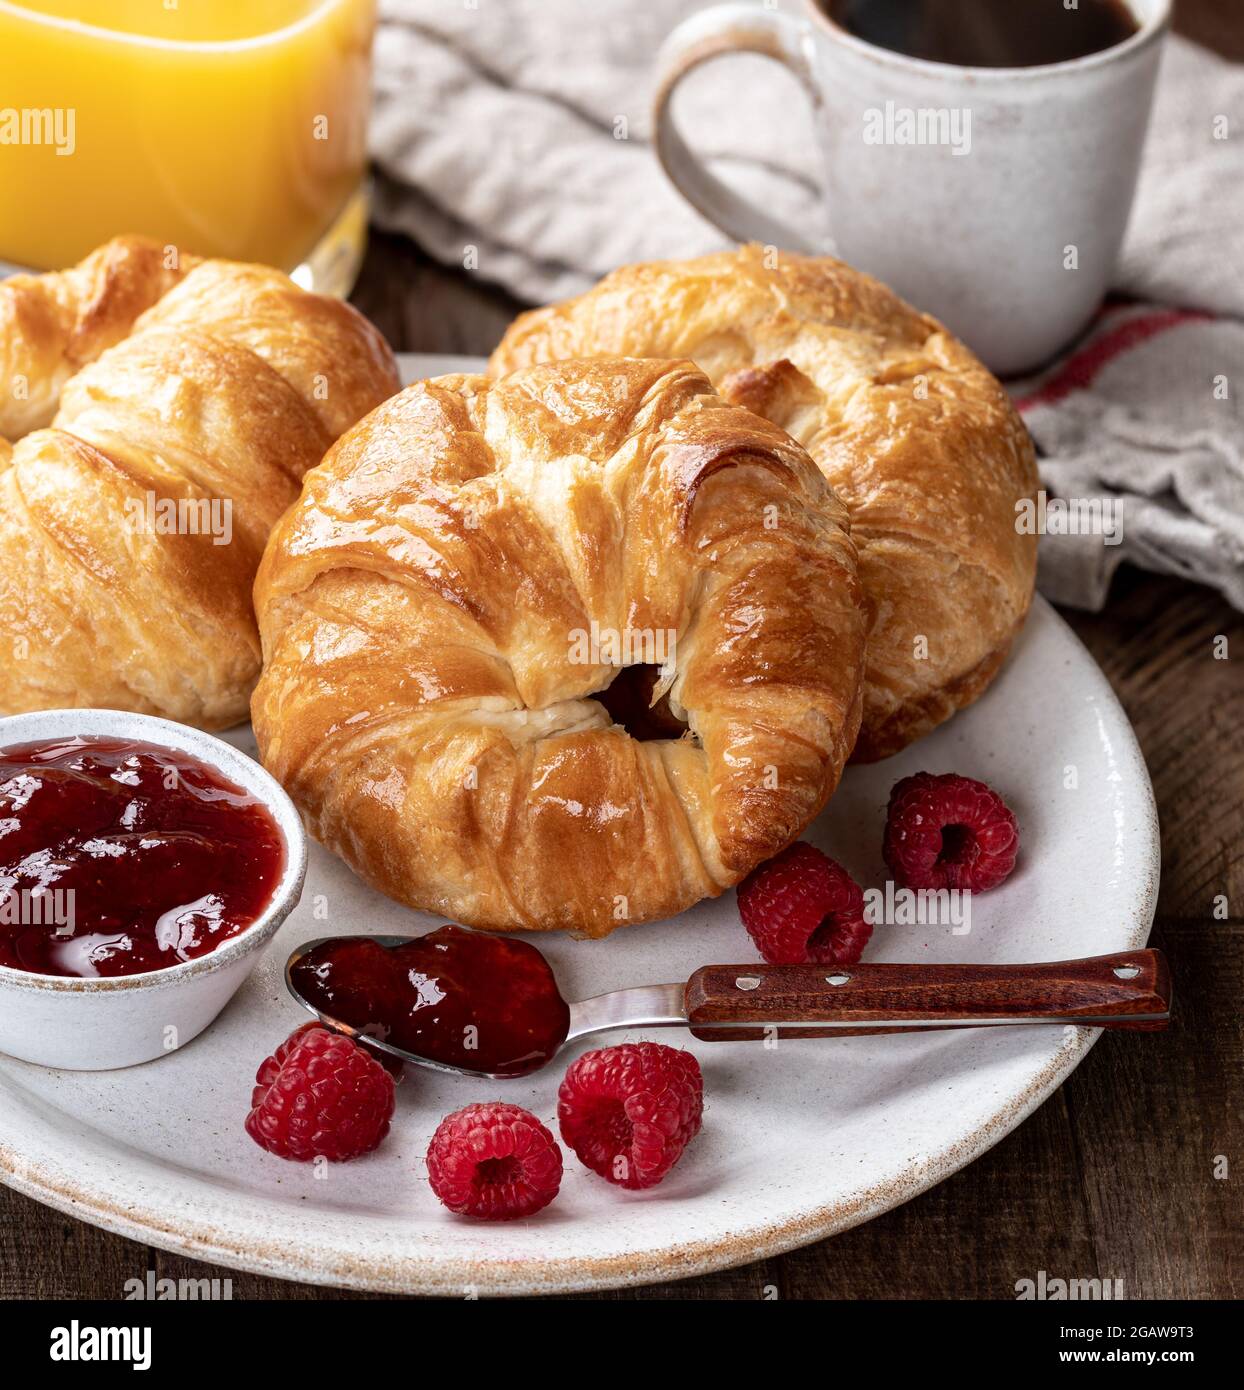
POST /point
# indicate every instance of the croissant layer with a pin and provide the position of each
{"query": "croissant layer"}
(464, 577)
(164, 412)
(916, 437)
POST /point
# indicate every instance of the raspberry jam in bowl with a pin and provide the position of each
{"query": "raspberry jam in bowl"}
(117, 858)
(143, 866)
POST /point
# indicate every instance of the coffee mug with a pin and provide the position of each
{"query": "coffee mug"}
(996, 199)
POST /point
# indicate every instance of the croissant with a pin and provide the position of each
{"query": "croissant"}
(917, 438)
(185, 404)
(468, 577)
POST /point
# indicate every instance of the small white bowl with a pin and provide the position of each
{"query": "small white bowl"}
(98, 1024)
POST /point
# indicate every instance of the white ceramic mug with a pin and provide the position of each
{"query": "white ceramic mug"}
(1005, 223)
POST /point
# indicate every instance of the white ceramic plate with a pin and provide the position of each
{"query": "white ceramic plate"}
(799, 1141)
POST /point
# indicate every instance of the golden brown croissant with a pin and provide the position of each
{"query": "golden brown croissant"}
(52, 325)
(474, 562)
(915, 436)
(191, 402)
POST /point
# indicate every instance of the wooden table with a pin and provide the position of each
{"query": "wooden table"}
(1117, 1175)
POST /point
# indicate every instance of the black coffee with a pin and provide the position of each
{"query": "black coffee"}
(987, 33)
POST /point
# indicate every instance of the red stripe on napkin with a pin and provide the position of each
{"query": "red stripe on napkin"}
(1080, 370)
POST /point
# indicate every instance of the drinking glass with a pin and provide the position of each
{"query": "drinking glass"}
(232, 128)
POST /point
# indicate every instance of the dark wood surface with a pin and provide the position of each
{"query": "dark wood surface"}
(1133, 1169)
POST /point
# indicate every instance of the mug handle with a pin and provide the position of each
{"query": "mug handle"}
(710, 34)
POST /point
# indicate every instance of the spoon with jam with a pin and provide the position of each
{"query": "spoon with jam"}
(484, 1005)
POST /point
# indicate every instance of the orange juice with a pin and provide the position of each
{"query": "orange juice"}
(225, 127)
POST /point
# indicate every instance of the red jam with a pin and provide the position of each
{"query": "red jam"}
(118, 858)
(463, 998)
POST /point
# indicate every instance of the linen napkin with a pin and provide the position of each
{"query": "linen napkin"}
(513, 137)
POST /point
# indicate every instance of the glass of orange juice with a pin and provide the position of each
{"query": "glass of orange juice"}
(234, 128)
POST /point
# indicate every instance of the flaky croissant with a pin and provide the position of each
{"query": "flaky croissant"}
(914, 434)
(445, 610)
(185, 405)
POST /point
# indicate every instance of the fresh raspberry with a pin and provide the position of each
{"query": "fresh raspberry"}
(949, 832)
(804, 908)
(630, 1111)
(494, 1161)
(320, 1095)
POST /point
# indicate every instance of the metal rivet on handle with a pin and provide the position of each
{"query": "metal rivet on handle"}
(1127, 972)
(747, 982)
(836, 979)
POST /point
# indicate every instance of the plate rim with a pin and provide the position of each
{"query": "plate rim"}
(578, 1274)
(412, 1274)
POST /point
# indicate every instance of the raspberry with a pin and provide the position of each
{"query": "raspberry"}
(628, 1112)
(494, 1161)
(949, 832)
(320, 1095)
(804, 908)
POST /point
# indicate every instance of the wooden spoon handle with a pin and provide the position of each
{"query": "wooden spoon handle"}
(1129, 990)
